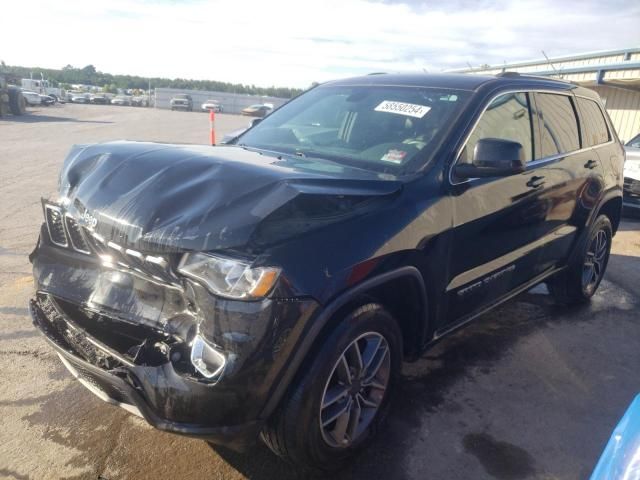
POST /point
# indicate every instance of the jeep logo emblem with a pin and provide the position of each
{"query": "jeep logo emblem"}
(88, 220)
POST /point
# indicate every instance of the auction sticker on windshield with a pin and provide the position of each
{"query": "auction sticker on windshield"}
(408, 109)
(394, 156)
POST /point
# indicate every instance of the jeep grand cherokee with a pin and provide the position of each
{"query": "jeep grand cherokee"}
(274, 286)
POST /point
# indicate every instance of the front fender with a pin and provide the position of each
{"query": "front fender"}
(318, 323)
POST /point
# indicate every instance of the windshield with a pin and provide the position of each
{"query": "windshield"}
(383, 128)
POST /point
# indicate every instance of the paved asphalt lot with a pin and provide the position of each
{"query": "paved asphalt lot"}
(528, 391)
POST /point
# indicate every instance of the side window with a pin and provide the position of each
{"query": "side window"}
(558, 124)
(508, 117)
(594, 126)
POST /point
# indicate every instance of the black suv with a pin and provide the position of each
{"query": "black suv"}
(182, 101)
(273, 287)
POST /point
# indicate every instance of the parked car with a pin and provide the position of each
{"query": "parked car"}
(121, 100)
(258, 110)
(634, 142)
(79, 97)
(99, 99)
(621, 457)
(140, 101)
(212, 105)
(632, 176)
(32, 98)
(274, 286)
(182, 101)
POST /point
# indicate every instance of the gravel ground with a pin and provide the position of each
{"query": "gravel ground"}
(530, 390)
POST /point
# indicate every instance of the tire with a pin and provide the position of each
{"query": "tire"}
(17, 102)
(579, 282)
(295, 432)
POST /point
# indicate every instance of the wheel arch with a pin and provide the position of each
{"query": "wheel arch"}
(609, 205)
(612, 208)
(379, 289)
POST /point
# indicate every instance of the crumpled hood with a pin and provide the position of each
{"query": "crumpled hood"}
(157, 197)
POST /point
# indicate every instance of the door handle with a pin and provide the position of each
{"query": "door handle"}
(591, 164)
(535, 181)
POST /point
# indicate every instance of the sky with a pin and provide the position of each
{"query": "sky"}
(292, 43)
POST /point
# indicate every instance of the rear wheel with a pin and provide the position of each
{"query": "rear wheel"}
(580, 281)
(17, 102)
(337, 405)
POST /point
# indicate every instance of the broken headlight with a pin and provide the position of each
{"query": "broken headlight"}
(228, 277)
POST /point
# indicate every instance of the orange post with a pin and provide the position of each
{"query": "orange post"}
(212, 124)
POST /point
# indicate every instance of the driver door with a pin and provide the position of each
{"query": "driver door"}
(498, 221)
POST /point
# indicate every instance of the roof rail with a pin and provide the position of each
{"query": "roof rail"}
(533, 75)
(377, 73)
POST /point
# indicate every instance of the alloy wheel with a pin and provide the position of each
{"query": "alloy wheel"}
(355, 389)
(593, 267)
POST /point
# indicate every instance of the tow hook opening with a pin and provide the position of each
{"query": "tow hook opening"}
(206, 359)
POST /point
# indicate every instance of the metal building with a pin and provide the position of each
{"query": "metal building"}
(614, 74)
(231, 102)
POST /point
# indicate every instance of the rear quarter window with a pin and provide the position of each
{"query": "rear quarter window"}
(594, 126)
(558, 124)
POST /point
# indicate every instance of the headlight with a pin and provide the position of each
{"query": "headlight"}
(228, 277)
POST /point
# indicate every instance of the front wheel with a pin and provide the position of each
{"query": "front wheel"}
(343, 394)
(580, 281)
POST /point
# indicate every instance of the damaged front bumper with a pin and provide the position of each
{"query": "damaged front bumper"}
(136, 343)
(158, 394)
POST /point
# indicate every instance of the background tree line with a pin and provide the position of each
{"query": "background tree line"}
(89, 75)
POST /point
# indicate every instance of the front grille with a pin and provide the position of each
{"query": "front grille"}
(55, 225)
(113, 254)
(65, 231)
(76, 236)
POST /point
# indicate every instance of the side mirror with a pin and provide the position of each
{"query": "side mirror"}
(254, 122)
(493, 157)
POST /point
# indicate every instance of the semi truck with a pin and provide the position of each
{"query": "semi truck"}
(43, 87)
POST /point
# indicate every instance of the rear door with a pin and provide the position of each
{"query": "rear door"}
(572, 172)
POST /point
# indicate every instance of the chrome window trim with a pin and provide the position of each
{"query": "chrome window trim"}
(538, 161)
(55, 208)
